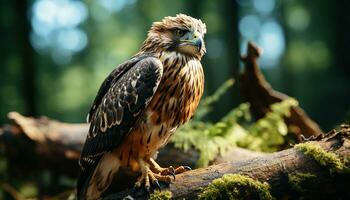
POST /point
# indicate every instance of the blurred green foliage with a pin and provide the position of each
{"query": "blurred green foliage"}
(236, 128)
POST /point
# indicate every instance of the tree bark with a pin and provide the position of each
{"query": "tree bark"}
(274, 169)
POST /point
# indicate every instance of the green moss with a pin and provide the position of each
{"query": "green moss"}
(324, 158)
(347, 165)
(298, 181)
(235, 186)
(160, 195)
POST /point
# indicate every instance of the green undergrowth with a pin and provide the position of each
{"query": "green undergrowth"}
(324, 158)
(160, 195)
(236, 187)
(237, 128)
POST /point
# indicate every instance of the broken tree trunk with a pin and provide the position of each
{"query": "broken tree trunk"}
(259, 93)
(291, 173)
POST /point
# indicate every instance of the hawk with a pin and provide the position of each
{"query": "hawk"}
(140, 105)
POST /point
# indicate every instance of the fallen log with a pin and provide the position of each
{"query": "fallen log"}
(317, 169)
(58, 146)
(259, 93)
(274, 169)
(34, 144)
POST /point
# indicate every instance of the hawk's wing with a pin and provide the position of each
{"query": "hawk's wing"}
(120, 102)
(111, 79)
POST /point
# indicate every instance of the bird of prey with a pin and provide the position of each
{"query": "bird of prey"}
(140, 105)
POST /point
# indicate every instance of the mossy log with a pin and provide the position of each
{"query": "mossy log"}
(316, 169)
(291, 173)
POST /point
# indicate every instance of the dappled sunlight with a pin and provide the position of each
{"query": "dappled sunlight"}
(55, 28)
(259, 23)
(249, 26)
(264, 7)
(297, 18)
(272, 42)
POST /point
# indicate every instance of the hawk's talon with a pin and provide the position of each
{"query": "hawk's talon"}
(148, 188)
(156, 183)
(173, 175)
(171, 170)
(188, 168)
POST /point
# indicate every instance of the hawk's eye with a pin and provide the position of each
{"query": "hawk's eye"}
(180, 32)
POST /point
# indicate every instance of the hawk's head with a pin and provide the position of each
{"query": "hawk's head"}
(181, 33)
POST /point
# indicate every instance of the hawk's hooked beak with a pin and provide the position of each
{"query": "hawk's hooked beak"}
(197, 40)
(194, 40)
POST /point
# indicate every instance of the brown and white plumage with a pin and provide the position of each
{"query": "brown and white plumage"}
(141, 103)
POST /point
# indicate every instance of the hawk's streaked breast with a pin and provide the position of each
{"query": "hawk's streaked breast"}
(180, 89)
(173, 104)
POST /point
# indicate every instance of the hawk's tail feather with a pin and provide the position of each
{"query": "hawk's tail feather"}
(95, 179)
(84, 179)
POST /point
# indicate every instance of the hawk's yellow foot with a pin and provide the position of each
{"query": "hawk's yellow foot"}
(149, 178)
(166, 171)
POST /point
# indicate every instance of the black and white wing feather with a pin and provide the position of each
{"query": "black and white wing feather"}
(120, 102)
